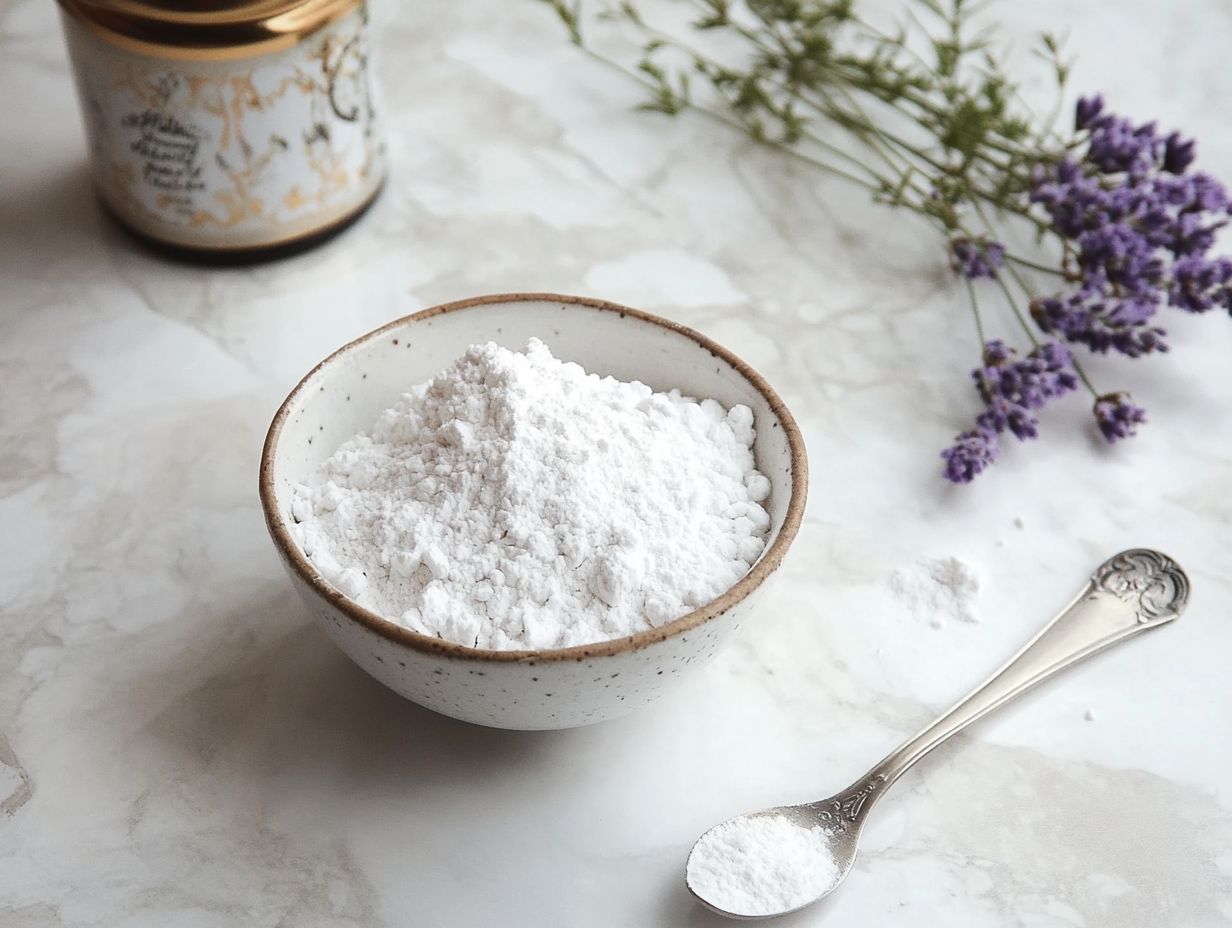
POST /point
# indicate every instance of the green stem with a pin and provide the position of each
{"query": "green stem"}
(732, 124)
(975, 311)
(699, 57)
(855, 77)
(867, 131)
(878, 140)
(927, 106)
(1082, 375)
(1022, 320)
(1035, 266)
(861, 124)
(1078, 369)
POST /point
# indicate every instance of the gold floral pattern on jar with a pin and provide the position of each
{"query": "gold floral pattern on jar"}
(232, 153)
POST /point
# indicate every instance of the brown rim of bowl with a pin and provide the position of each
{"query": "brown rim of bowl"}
(765, 566)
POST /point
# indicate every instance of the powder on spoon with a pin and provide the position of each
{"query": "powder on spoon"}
(761, 865)
(515, 502)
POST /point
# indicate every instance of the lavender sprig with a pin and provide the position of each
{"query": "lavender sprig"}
(1139, 228)
(1118, 417)
(971, 452)
(976, 259)
(1133, 224)
(1013, 390)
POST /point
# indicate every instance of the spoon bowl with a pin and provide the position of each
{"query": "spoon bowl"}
(1132, 592)
(835, 854)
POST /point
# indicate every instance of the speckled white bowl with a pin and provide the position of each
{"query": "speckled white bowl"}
(564, 687)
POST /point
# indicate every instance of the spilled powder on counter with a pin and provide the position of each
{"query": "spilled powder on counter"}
(516, 502)
(935, 589)
(761, 865)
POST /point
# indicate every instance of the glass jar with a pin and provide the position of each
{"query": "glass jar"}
(231, 128)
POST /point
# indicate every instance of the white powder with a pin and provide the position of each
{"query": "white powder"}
(934, 589)
(515, 502)
(761, 865)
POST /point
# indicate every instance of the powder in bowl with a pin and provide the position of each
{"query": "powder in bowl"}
(756, 865)
(516, 502)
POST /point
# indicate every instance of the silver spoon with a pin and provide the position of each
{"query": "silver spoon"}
(1130, 593)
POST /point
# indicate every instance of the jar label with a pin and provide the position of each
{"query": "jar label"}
(233, 154)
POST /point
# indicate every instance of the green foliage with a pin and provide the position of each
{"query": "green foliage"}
(941, 126)
(571, 16)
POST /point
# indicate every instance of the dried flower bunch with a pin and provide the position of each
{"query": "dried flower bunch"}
(923, 115)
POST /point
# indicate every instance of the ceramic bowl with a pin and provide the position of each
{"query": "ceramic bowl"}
(563, 687)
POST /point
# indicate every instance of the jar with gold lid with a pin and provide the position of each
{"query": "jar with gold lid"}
(228, 128)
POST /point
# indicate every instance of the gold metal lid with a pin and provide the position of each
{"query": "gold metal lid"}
(201, 29)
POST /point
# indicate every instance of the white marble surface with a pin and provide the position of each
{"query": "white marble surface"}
(178, 747)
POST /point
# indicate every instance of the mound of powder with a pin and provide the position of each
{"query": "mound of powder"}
(515, 502)
(761, 865)
(934, 589)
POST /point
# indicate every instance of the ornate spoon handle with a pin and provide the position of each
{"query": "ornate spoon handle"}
(1130, 593)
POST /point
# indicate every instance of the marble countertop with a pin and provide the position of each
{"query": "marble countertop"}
(180, 747)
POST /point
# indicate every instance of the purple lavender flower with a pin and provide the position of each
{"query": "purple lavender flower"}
(1138, 228)
(971, 452)
(1122, 255)
(1068, 195)
(1179, 153)
(1118, 146)
(1206, 193)
(975, 259)
(1089, 317)
(1012, 390)
(1086, 111)
(1199, 283)
(1117, 416)
(1201, 205)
